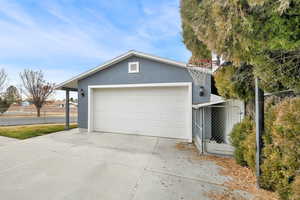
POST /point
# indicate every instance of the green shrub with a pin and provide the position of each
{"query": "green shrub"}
(238, 137)
(249, 145)
(281, 152)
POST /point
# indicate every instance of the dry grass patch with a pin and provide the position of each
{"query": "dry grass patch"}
(226, 195)
(242, 178)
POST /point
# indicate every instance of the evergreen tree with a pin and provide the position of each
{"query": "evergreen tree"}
(264, 34)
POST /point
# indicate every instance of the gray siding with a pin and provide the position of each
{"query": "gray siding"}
(150, 72)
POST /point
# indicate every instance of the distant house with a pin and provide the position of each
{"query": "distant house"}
(138, 93)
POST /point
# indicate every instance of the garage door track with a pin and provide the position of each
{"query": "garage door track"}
(71, 165)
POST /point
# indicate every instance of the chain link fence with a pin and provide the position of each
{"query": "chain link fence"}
(214, 124)
(224, 117)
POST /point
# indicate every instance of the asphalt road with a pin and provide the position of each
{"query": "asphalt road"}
(10, 121)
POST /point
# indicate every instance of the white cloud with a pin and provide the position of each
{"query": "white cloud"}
(15, 12)
(68, 40)
(160, 22)
(25, 38)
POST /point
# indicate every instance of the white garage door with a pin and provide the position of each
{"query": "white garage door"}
(153, 111)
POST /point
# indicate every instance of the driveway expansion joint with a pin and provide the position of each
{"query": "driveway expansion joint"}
(140, 179)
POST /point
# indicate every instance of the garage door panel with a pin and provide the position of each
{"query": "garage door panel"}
(139, 125)
(149, 110)
(150, 115)
(133, 119)
(170, 116)
(136, 103)
(157, 111)
(154, 103)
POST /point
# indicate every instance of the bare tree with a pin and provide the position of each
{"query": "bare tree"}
(37, 89)
(3, 77)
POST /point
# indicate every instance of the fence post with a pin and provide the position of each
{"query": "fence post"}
(259, 122)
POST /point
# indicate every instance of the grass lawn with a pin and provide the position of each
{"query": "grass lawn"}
(28, 131)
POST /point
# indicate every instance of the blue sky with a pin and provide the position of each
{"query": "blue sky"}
(66, 37)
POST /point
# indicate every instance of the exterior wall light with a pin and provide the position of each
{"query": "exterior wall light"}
(82, 92)
(201, 91)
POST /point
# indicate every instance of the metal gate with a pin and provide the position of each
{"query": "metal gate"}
(214, 124)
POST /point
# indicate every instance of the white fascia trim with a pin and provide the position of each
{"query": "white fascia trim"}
(159, 59)
(96, 69)
(183, 84)
(208, 104)
(142, 85)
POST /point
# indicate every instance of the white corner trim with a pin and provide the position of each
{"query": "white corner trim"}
(90, 107)
(190, 112)
(178, 84)
(137, 67)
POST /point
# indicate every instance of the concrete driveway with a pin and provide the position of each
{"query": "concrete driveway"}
(71, 165)
(6, 141)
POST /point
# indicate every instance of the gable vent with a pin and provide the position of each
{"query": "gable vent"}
(133, 67)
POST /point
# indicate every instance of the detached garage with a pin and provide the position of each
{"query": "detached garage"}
(138, 93)
(161, 109)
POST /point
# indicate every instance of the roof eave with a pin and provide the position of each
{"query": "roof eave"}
(197, 106)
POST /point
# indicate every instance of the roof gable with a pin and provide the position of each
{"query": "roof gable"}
(72, 83)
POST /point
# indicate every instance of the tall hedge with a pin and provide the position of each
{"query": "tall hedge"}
(281, 163)
(282, 148)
